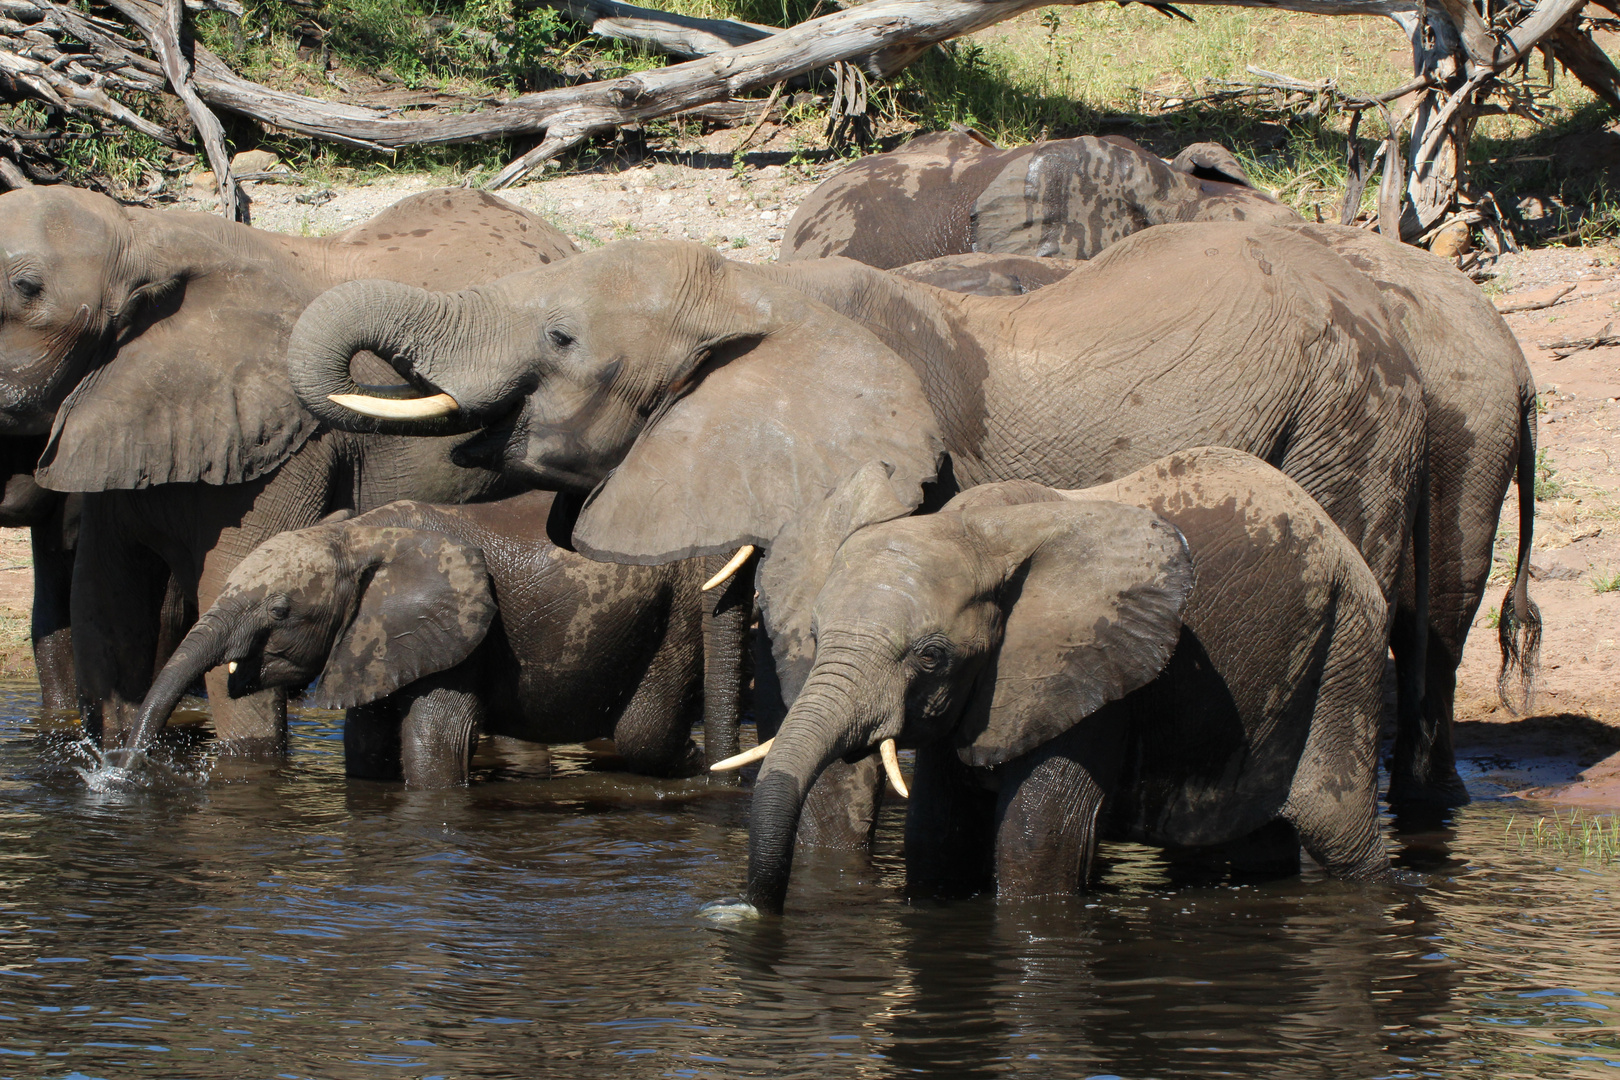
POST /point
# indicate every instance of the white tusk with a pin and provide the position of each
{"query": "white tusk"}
(891, 765)
(730, 568)
(737, 761)
(230, 668)
(424, 408)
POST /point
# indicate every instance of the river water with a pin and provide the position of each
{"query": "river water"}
(545, 922)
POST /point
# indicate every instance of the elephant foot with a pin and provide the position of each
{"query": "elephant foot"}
(252, 749)
(1443, 791)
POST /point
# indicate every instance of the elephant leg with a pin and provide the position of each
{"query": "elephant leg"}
(439, 732)
(117, 596)
(1333, 799)
(842, 809)
(1425, 767)
(176, 618)
(727, 655)
(52, 624)
(251, 726)
(950, 827)
(371, 741)
(654, 732)
(1046, 817)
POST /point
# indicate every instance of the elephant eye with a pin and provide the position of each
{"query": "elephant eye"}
(280, 608)
(561, 338)
(29, 287)
(932, 655)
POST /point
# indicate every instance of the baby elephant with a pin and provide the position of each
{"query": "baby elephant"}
(1183, 657)
(432, 623)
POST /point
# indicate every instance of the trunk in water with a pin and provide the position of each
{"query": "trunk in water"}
(819, 729)
(415, 331)
(203, 648)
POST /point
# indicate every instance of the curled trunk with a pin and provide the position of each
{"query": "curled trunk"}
(424, 336)
(203, 649)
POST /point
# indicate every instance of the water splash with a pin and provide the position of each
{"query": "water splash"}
(118, 771)
(728, 912)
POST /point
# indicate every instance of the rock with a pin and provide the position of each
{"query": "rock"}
(203, 183)
(1452, 241)
(251, 161)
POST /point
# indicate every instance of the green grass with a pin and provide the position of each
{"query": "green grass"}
(1593, 839)
(1548, 486)
(1606, 582)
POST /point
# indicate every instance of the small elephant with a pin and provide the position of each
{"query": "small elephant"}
(956, 192)
(1184, 657)
(433, 623)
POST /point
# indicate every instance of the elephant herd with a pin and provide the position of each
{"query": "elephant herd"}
(1103, 483)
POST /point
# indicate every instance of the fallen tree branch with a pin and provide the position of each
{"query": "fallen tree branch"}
(164, 35)
(1533, 305)
(1569, 346)
(665, 31)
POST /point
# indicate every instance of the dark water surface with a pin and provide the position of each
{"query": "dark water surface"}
(283, 922)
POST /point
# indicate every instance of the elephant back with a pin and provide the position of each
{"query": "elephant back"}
(448, 239)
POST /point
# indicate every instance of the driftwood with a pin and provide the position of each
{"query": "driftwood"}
(1518, 306)
(1569, 346)
(1460, 48)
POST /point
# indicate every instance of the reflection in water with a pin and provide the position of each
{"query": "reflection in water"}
(281, 921)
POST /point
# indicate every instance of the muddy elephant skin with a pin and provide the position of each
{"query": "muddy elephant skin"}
(149, 345)
(953, 193)
(431, 624)
(1189, 656)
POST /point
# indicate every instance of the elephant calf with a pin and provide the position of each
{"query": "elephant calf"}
(432, 623)
(1186, 657)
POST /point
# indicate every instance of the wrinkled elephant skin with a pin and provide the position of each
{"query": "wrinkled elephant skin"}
(1183, 657)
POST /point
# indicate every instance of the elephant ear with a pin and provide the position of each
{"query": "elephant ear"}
(772, 422)
(1092, 600)
(1070, 198)
(425, 603)
(797, 563)
(1211, 161)
(197, 390)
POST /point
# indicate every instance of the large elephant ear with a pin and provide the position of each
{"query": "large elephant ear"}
(772, 423)
(797, 562)
(425, 603)
(1093, 601)
(196, 391)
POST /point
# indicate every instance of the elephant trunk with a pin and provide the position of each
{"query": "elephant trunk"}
(827, 721)
(202, 649)
(427, 337)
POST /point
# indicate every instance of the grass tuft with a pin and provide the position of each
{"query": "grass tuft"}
(1594, 839)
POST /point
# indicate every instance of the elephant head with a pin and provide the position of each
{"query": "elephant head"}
(72, 278)
(366, 609)
(998, 623)
(730, 401)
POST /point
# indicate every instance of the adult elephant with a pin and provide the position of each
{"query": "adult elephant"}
(52, 521)
(956, 192)
(149, 346)
(700, 405)
(1479, 399)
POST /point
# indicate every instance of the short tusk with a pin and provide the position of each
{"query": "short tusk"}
(891, 765)
(230, 668)
(747, 757)
(730, 568)
(424, 408)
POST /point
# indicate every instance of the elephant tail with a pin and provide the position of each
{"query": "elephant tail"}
(1519, 627)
